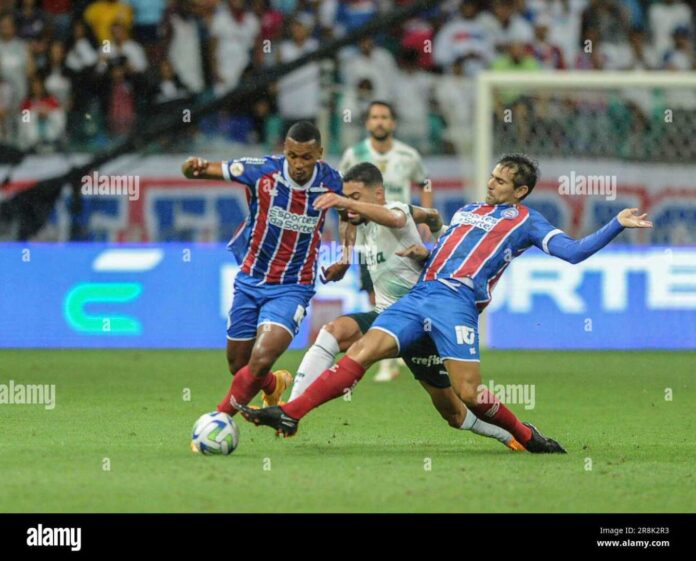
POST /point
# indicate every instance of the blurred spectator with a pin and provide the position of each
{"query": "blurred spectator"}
(681, 55)
(664, 18)
(373, 63)
(170, 87)
(591, 55)
(29, 20)
(271, 20)
(455, 96)
(59, 13)
(7, 111)
(412, 101)
(234, 30)
(81, 50)
(462, 36)
(43, 119)
(147, 16)
(608, 19)
(38, 52)
(547, 53)
(147, 26)
(418, 35)
(185, 45)
(121, 111)
(565, 22)
(123, 50)
(299, 91)
(102, 14)
(353, 108)
(57, 79)
(352, 14)
(15, 59)
(505, 24)
(633, 55)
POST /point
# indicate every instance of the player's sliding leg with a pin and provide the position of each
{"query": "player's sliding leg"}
(333, 382)
(466, 383)
(271, 341)
(459, 417)
(334, 337)
(427, 367)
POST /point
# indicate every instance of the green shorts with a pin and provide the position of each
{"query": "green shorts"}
(421, 357)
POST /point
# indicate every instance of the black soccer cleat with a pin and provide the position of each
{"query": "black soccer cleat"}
(539, 444)
(273, 417)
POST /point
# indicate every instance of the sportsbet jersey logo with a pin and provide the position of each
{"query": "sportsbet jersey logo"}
(289, 221)
(478, 221)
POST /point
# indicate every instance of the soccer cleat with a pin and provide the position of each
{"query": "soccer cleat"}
(273, 417)
(513, 444)
(539, 444)
(283, 380)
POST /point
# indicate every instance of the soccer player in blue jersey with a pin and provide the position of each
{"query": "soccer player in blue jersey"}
(277, 248)
(454, 287)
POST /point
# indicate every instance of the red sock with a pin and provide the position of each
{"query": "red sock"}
(243, 388)
(269, 384)
(332, 383)
(491, 409)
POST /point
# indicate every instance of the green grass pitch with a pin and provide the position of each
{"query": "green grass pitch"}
(630, 449)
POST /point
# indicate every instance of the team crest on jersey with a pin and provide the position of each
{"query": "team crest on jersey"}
(511, 213)
(237, 168)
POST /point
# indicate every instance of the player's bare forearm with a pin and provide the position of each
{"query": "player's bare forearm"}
(347, 233)
(427, 195)
(200, 168)
(379, 214)
(429, 216)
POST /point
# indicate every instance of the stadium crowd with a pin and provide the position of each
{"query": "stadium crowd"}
(81, 73)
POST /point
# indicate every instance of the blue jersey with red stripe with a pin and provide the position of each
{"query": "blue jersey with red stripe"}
(480, 243)
(279, 241)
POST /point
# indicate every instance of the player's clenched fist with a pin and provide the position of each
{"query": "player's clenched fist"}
(194, 167)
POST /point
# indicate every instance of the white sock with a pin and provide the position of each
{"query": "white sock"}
(319, 357)
(476, 425)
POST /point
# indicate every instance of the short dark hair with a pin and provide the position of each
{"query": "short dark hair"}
(304, 131)
(366, 173)
(386, 104)
(525, 170)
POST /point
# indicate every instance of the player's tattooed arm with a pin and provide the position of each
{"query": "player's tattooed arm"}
(337, 271)
(426, 194)
(429, 216)
(416, 251)
(379, 214)
(200, 168)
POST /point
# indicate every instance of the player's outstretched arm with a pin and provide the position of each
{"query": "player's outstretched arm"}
(574, 251)
(200, 168)
(379, 214)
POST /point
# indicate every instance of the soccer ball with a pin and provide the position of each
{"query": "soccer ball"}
(215, 433)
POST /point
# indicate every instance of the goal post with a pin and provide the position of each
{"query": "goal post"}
(490, 82)
(637, 126)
